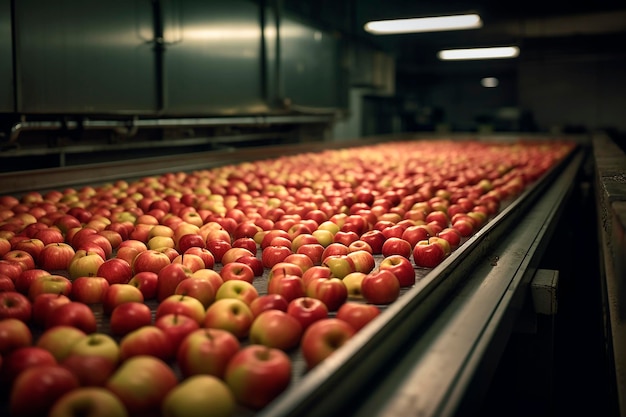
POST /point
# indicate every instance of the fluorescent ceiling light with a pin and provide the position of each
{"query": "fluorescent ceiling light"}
(479, 53)
(489, 82)
(424, 24)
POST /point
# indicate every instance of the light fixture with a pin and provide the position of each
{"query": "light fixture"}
(424, 24)
(489, 82)
(479, 53)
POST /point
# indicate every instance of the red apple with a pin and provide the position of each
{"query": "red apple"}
(129, 316)
(146, 341)
(176, 327)
(169, 278)
(276, 329)
(25, 278)
(90, 370)
(150, 260)
(201, 289)
(207, 257)
(289, 286)
(118, 294)
(89, 290)
(181, 304)
(15, 305)
(146, 282)
(55, 284)
(32, 246)
(363, 261)
(268, 302)
(44, 304)
(331, 291)
(396, 246)
(380, 287)
(307, 310)
(116, 271)
(257, 374)
(274, 254)
(191, 261)
(322, 338)
(21, 257)
(74, 314)
(14, 333)
(22, 358)
(357, 314)
(253, 262)
(206, 351)
(401, 267)
(237, 271)
(428, 254)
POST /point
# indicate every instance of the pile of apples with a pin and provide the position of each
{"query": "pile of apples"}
(188, 293)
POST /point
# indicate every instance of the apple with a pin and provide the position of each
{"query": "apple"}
(237, 271)
(340, 265)
(25, 278)
(55, 284)
(43, 305)
(31, 246)
(208, 275)
(307, 310)
(118, 294)
(322, 338)
(74, 314)
(116, 271)
(396, 246)
(363, 261)
(89, 290)
(14, 333)
(218, 248)
(181, 304)
(88, 401)
(268, 302)
(168, 279)
(242, 290)
(284, 268)
(91, 370)
(230, 314)
(324, 237)
(21, 257)
(253, 262)
(10, 269)
(201, 289)
(84, 264)
(415, 233)
(401, 267)
(7, 284)
(190, 240)
(146, 340)
(15, 305)
(276, 329)
(353, 283)
(334, 249)
(452, 235)
(176, 327)
(20, 359)
(146, 282)
(207, 257)
(313, 251)
(191, 261)
(289, 286)
(129, 316)
(59, 340)
(150, 260)
(206, 351)
(247, 243)
(428, 254)
(345, 237)
(200, 395)
(357, 314)
(257, 374)
(303, 261)
(380, 287)
(141, 383)
(273, 254)
(317, 271)
(46, 384)
(331, 291)
(96, 344)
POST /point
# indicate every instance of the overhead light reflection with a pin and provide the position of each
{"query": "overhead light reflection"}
(424, 24)
(479, 53)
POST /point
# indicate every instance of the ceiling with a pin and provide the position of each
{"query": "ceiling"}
(594, 29)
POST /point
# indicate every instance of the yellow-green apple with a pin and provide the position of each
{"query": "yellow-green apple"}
(353, 282)
(428, 254)
(307, 310)
(84, 264)
(239, 289)
(88, 401)
(116, 271)
(59, 340)
(396, 246)
(14, 333)
(146, 282)
(231, 314)
(181, 304)
(276, 329)
(169, 277)
(191, 261)
(322, 338)
(176, 327)
(150, 260)
(289, 286)
(55, 284)
(15, 305)
(340, 265)
(141, 383)
(158, 242)
(146, 340)
(96, 344)
(257, 374)
(206, 351)
(89, 290)
(324, 237)
(357, 314)
(268, 302)
(74, 314)
(363, 261)
(331, 291)
(401, 267)
(273, 254)
(200, 396)
(205, 254)
(380, 287)
(129, 316)
(20, 359)
(46, 384)
(329, 225)
(118, 294)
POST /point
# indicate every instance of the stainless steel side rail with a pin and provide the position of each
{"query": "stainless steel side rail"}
(419, 356)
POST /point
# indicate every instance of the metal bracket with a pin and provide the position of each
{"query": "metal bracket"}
(543, 288)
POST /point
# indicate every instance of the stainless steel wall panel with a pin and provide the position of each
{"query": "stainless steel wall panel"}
(311, 66)
(213, 57)
(6, 58)
(85, 57)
